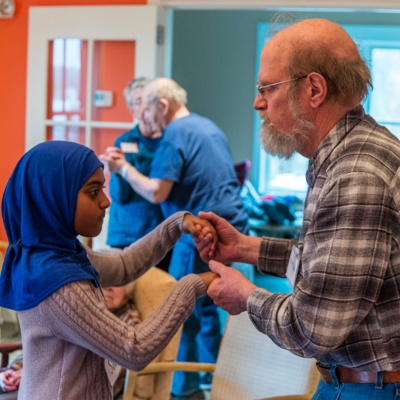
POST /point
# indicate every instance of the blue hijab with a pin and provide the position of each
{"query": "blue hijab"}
(38, 209)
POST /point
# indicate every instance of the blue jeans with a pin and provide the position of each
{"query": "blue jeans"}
(201, 334)
(356, 391)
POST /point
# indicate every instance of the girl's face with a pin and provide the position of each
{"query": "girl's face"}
(115, 297)
(91, 206)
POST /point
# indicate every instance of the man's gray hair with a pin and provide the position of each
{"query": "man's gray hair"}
(347, 79)
(137, 83)
(168, 89)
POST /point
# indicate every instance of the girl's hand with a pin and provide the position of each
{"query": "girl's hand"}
(208, 277)
(200, 229)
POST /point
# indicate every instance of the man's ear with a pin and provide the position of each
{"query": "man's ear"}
(163, 106)
(319, 89)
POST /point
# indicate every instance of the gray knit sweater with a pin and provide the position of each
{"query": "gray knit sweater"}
(67, 336)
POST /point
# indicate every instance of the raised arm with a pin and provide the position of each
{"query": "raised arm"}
(124, 267)
(152, 189)
(77, 314)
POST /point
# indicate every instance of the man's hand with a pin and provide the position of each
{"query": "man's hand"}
(232, 245)
(231, 290)
(228, 240)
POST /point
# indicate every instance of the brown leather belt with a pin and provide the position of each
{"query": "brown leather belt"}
(350, 375)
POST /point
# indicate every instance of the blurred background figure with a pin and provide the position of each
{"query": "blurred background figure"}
(10, 376)
(131, 215)
(120, 303)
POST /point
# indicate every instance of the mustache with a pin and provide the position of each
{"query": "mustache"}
(263, 115)
(265, 121)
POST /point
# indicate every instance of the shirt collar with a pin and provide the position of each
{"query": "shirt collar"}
(331, 141)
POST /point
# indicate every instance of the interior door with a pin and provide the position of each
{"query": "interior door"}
(79, 60)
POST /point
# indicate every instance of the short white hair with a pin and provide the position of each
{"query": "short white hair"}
(166, 88)
(137, 83)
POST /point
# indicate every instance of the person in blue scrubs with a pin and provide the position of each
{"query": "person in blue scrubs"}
(138, 146)
(192, 170)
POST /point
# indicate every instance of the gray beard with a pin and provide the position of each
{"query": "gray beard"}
(285, 144)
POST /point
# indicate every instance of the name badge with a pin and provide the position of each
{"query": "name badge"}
(129, 147)
(112, 370)
(293, 266)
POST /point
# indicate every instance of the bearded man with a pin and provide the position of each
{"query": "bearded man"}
(345, 268)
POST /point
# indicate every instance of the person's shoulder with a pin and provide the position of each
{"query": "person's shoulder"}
(200, 118)
(190, 118)
(374, 139)
(207, 124)
(370, 148)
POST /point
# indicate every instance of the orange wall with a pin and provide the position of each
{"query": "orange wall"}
(13, 59)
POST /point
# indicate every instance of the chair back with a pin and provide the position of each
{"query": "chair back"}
(242, 169)
(251, 366)
(149, 291)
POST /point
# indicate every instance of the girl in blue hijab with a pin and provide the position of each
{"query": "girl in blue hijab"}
(72, 343)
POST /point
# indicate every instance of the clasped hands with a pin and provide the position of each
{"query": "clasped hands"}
(219, 242)
(10, 379)
(114, 159)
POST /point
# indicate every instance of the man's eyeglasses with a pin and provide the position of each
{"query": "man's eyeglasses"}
(261, 89)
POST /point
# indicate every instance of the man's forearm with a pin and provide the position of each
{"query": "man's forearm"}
(249, 250)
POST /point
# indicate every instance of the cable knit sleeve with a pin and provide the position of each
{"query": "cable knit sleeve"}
(75, 313)
(124, 267)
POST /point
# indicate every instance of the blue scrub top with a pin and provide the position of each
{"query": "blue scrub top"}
(131, 215)
(194, 153)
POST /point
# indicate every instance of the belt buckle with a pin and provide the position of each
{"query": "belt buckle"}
(325, 372)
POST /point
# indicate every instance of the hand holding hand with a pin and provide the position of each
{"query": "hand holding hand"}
(10, 379)
(200, 229)
(208, 277)
(231, 290)
(228, 240)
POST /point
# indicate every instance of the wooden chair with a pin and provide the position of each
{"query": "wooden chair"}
(149, 291)
(251, 366)
(6, 349)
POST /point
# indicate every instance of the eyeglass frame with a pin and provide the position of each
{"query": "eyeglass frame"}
(258, 87)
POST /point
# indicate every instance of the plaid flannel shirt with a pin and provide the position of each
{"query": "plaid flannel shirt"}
(345, 307)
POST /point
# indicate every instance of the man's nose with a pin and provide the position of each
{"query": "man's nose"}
(260, 103)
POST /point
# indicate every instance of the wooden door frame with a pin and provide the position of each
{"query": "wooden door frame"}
(139, 23)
